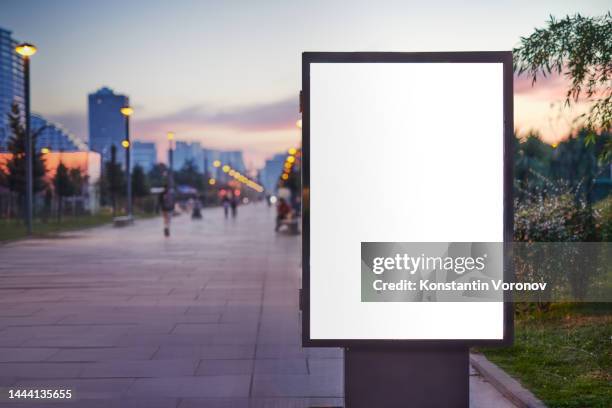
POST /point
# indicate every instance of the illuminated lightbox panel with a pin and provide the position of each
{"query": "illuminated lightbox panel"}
(401, 147)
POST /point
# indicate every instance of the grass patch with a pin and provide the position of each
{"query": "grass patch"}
(564, 355)
(13, 229)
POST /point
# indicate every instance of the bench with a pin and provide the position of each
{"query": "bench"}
(123, 221)
(292, 225)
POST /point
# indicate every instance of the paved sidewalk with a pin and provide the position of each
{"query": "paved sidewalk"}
(206, 318)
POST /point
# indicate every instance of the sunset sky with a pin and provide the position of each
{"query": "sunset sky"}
(227, 73)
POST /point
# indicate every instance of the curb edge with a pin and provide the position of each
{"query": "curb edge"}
(504, 383)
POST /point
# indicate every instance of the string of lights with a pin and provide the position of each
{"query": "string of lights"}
(241, 178)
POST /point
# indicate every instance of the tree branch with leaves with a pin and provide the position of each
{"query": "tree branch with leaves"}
(579, 48)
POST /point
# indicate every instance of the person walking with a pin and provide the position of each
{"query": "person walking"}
(166, 203)
(225, 201)
(234, 205)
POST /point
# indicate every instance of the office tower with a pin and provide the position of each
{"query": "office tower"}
(54, 136)
(144, 154)
(11, 83)
(235, 159)
(185, 152)
(106, 123)
(272, 171)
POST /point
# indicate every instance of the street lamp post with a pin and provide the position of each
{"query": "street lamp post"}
(170, 160)
(26, 51)
(113, 179)
(127, 111)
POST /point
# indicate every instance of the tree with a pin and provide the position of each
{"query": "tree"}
(63, 187)
(140, 186)
(531, 166)
(112, 182)
(158, 175)
(77, 180)
(3, 178)
(16, 165)
(190, 176)
(580, 48)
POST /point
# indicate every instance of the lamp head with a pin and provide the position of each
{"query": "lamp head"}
(26, 50)
(127, 111)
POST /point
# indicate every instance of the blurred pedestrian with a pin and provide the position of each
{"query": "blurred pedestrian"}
(283, 211)
(225, 201)
(166, 203)
(234, 205)
(196, 209)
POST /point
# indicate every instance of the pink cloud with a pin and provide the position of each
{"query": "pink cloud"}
(272, 116)
(552, 87)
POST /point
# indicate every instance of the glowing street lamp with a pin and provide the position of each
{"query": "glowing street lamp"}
(226, 168)
(45, 150)
(292, 151)
(217, 163)
(127, 111)
(26, 51)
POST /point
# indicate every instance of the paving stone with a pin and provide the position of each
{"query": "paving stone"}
(296, 385)
(281, 366)
(186, 387)
(136, 369)
(104, 354)
(265, 351)
(322, 366)
(13, 354)
(224, 367)
(23, 370)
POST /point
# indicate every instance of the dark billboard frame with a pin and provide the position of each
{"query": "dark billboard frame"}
(503, 57)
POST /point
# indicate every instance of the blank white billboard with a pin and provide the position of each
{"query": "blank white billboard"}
(401, 152)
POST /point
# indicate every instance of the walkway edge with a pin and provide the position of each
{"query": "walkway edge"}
(504, 383)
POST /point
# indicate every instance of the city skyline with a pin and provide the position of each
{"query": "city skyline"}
(228, 76)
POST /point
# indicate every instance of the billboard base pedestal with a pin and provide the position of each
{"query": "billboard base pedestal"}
(412, 377)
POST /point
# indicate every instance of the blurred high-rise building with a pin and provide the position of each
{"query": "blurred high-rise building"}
(55, 137)
(185, 152)
(11, 83)
(106, 123)
(210, 156)
(234, 159)
(271, 172)
(144, 154)
(204, 158)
